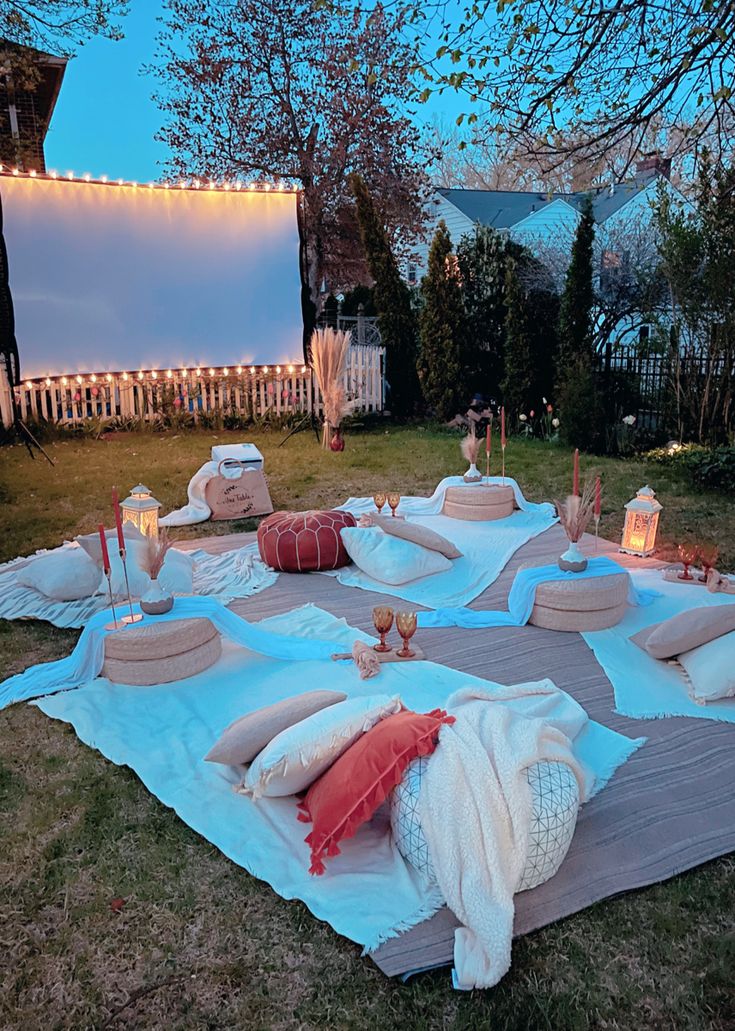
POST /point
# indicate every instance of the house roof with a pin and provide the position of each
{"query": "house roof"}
(51, 69)
(502, 209)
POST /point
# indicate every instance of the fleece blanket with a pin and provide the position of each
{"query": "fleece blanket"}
(231, 574)
(522, 594)
(368, 893)
(476, 801)
(647, 688)
(486, 546)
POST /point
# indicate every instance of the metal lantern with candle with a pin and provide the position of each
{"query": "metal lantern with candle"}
(641, 523)
(141, 509)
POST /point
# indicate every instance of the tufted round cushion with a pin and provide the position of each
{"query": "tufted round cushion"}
(479, 504)
(554, 806)
(581, 605)
(304, 542)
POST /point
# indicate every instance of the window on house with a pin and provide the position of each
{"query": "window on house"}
(412, 272)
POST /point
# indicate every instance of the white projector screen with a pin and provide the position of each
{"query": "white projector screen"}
(107, 277)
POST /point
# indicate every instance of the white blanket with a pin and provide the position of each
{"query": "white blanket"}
(368, 893)
(475, 802)
(647, 688)
(232, 574)
(486, 546)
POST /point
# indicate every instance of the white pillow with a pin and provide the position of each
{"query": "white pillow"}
(390, 559)
(66, 574)
(711, 669)
(176, 576)
(298, 755)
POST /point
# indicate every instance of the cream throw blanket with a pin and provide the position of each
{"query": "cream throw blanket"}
(475, 806)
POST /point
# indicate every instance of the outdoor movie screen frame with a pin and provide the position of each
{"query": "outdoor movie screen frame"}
(108, 277)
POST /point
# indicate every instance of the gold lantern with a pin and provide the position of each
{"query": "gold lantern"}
(641, 523)
(141, 509)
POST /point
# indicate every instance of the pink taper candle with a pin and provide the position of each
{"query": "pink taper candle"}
(598, 498)
(502, 426)
(105, 553)
(575, 488)
(118, 520)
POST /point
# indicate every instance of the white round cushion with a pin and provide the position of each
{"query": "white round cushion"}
(555, 802)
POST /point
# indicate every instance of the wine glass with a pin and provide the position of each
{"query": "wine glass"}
(382, 621)
(687, 554)
(379, 499)
(406, 627)
(708, 555)
(394, 500)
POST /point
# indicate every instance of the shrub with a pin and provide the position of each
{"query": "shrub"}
(712, 468)
(441, 329)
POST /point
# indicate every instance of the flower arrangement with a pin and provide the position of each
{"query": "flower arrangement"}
(575, 514)
(329, 350)
(470, 447)
(156, 551)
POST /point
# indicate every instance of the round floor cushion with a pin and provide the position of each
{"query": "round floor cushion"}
(580, 604)
(304, 542)
(554, 807)
(161, 652)
(479, 503)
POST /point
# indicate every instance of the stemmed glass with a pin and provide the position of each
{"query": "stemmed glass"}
(687, 554)
(394, 500)
(708, 555)
(382, 621)
(379, 499)
(406, 627)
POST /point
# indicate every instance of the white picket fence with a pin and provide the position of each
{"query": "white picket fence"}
(251, 391)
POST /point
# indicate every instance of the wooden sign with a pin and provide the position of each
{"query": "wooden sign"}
(240, 497)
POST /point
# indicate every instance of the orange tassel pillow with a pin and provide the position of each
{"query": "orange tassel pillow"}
(353, 788)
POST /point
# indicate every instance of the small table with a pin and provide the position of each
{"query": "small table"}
(161, 652)
(580, 604)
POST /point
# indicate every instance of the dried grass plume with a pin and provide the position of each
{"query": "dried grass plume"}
(329, 350)
(155, 554)
(576, 512)
(471, 447)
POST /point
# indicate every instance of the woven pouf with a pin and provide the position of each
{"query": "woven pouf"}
(554, 806)
(479, 503)
(304, 542)
(159, 653)
(580, 604)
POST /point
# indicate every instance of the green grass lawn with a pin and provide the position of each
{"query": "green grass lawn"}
(199, 943)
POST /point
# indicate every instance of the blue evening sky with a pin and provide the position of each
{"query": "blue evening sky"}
(105, 119)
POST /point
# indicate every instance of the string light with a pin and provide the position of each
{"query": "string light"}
(140, 375)
(252, 370)
(29, 385)
(125, 376)
(169, 374)
(211, 372)
(265, 368)
(47, 381)
(93, 378)
(199, 372)
(64, 381)
(184, 372)
(224, 186)
(278, 369)
(239, 370)
(290, 368)
(226, 372)
(108, 377)
(154, 374)
(303, 368)
(79, 379)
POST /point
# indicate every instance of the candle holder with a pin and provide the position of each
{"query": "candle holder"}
(114, 624)
(503, 450)
(134, 617)
(597, 530)
(487, 464)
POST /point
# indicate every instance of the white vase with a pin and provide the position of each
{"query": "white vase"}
(572, 560)
(156, 601)
(473, 474)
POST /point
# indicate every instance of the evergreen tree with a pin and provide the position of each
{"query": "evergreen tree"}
(440, 325)
(575, 315)
(519, 341)
(392, 300)
(483, 258)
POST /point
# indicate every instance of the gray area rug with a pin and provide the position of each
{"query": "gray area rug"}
(669, 808)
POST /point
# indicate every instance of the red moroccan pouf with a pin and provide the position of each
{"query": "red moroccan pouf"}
(304, 542)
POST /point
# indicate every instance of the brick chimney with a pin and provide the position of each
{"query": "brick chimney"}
(653, 163)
